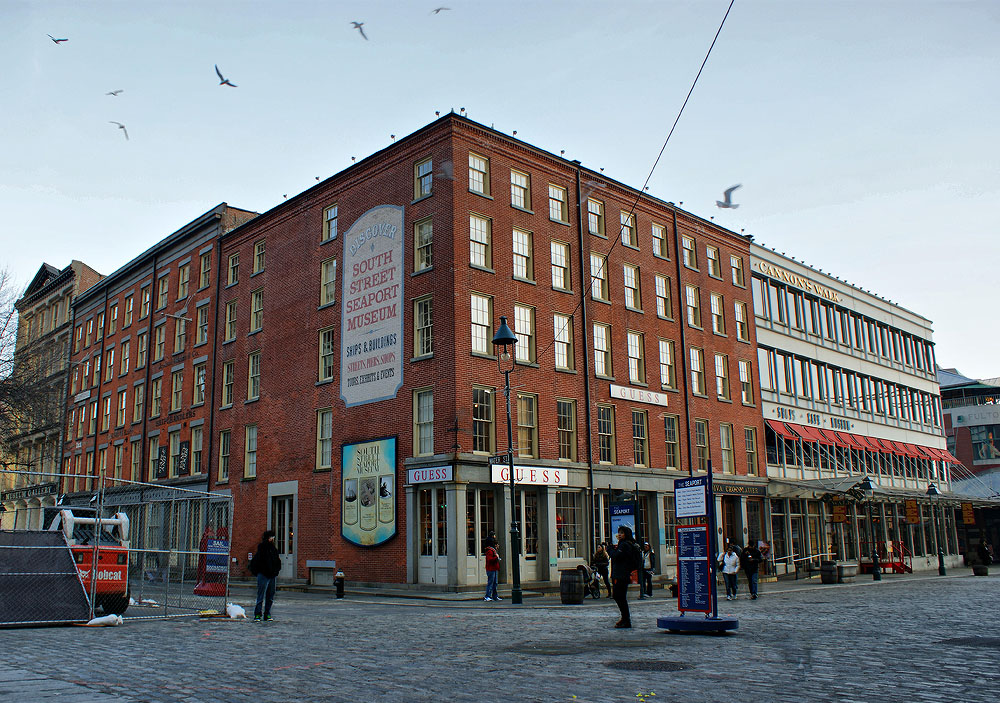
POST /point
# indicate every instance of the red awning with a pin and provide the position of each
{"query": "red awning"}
(810, 434)
(925, 452)
(867, 443)
(912, 451)
(900, 448)
(952, 458)
(885, 444)
(832, 438)
(783, 428)
(850, 440)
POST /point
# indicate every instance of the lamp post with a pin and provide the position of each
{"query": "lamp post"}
(503, 343)
(869, 490)
(932, 491)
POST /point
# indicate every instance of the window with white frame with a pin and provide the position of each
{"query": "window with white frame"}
(701, 443)
(228, 380)
(746, 383)
(750, 441)
(726, 444)
(324, 439)
(636, 358)
(176, 390)
(480, 247)
(598, 277)
(127, 317)
(520, 189)
(527, 425)
(736, 265)
(566, 428)
(524, 266)
(423, 422)
(722, 376)
(175, 453)
(138, 399)
(230, 321)
(560, 265)
(196, 450)
(660, 241)
(253, 376)
(602, 349)
(327, 354)
(668, 371)
(328, 282)
(718, 314)
(201, 328)
(180, 335)
(714, 264)
(697, 360)
(479, 174)
(423, 237)
(630, 237)
(672, 441)
(693, 297)
(122, 406)
(198, 396)
(205, 270)
(595, 217)
(664, 307)
(524, 330)
(423, 178)
(257, 310)
(224, 439)
(640, 438)
(483, 436)
(633, 298)
(558, 204)
(563, 337)
(423, 326)
(258, 256)
(690, 254)
(183, 279)
(163, 290)
(482, 323)
(233, 270)
(250, 452)
(126, 347)
(112, 319)
(330, 223)
(742, 325)
(606, 434)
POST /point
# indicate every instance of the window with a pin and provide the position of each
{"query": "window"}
(701, 443)
(673, 458)
(569, 524)
(563, 338)
(640, 438)
(480, 242)
(180, 335)
(93, 417)
(423, 178)
(127, 316)
(78, 339)
(636, 358)
(736, 264)
(250, 453)
(693, 298)
(520, 190)
(183, 278)
(598, 277)
(746, 383)
(668, 372)
(159, 341)
(527, 425)
(136, 461)
(722, 376)
(234, 270)
(606, 434)
(524, 266)
(109, 366)
(162, 291)
(482, 420)
(144, 304)
(423, 422)
(566, 428)
(112, 320)
(750, 438)
(97, 369)
(90, 332)
(602, 349)
(330, 223)
(742, 325)
(479, 174)
(324, 440)
(423, 326)
(177, 388)
(558, 208)
(482, 323)
(629, 236)
(224, 438)
(140, 350)
(100, 327)
(55, 315)
(154, 453)
(714, 265)
(718, 314)
(560, 266)
(524, 329)
(138, 398)
(257, 310)
(155, 397)
(328, 282)
(690, 255)
(726, 444)
(660, 242)
(106, 414)
(697, 371)
(595, 217)
(175, 453)
(664, 306)
(253, 376)
(327, 354)
(423, 236)
(230, 321)
(201, 328)
(204, 277)
(196, 436)
(228, 379)
(258, 256)
(198, 397)
(122, 408)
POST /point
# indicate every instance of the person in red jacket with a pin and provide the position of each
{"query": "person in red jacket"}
(492, 569)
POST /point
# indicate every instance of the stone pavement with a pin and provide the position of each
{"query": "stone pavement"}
(913, 639)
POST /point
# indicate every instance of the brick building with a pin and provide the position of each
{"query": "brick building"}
(358, 397)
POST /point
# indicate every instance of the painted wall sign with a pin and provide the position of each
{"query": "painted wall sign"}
(371, 328)
(638, 395)
(532, 475)
(368, 492)
(430, 474)
(738, 489)
(798, 281)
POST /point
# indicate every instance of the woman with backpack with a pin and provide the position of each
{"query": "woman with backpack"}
(625, 558)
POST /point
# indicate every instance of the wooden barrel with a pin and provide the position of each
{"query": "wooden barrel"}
(571, 586)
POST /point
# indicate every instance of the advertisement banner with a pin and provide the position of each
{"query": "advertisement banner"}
(622, 514)
(371, 328)
(839, 511)
(912, 512)
(368, 492)
(968, 515)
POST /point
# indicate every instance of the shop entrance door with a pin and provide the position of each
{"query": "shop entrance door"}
(798, 540)
(526, 510)
(730, 524)
(480, 520)
(432, 531)
(282, 521)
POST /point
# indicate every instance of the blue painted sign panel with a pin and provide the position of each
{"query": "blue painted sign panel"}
(694, 569)
(622, 514)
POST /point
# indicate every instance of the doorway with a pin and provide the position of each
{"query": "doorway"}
(526, 512)
(480, 520)
(282, 522)
(432, 512)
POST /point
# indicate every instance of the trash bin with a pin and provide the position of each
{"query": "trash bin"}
(571, 586)
(828, 571)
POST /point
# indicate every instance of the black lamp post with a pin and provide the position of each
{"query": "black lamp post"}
(869, 490)
(503, 343)
(933, 491)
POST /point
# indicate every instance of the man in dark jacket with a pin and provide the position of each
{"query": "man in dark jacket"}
(648, 566)
(625, 558)
(750, 561)
(265, 565)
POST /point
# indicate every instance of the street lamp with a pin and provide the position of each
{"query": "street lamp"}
(869, 491)
(503, 343)
(932, 491)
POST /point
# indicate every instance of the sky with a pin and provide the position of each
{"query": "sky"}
(863, 133)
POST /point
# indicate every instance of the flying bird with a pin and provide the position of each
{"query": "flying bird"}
(57, 41)
(357, 26)
(439, 9)
(222, 79)
(121, 127)
(114, 93)
(728, 202)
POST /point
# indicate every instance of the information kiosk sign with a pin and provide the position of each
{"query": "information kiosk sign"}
(694, 569)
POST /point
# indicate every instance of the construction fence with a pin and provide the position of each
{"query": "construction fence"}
(109, 546)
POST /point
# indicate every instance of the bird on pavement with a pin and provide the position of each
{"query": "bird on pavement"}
(357, 26)
(121, 127)
(57, 41)
(222, 79)
(114, 93)
(728, 202)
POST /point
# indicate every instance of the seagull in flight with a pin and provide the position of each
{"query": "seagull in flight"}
(728, 202)
(121, 127)
(222, 79)
(437, 10)
(114, 93)
(57, 41)
(357, 26)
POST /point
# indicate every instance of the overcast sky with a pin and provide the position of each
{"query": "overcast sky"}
(864, 133)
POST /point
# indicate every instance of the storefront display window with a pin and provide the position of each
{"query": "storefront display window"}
(569, 527)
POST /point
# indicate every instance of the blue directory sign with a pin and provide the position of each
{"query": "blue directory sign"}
(622, 514)
(694, 569)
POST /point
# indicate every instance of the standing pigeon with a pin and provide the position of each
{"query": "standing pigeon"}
(357, 26)
(57, 41)
(728, 202)
(222, 79)
(121, 127)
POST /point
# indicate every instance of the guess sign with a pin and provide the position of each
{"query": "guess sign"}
(430, 474)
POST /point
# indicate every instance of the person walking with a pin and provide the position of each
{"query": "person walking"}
(750, 562)
(492, 569)
(648, 565)
(625, 558)
(600, 562)
(265, 565)
(730, 565)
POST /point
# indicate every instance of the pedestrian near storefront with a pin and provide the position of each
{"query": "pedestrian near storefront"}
(625, 558)
(750, 563)
(265, 565)
(492, 569)
(648, 565)
(730, 565)
(601, 561)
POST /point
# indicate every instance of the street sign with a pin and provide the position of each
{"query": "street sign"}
(690, 497)
(500, 459)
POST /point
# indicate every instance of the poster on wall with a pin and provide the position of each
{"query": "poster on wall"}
(368, 492)
(371, 328)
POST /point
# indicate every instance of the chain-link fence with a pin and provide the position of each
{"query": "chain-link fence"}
(79, 547)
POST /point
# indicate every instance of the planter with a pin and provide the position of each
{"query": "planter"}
(846, 571)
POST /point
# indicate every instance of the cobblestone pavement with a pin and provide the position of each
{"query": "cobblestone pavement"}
(904, 639)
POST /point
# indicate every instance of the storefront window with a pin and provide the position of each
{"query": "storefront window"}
(669, 523)
(470, 523)
(779, 540)
(927, 520)
(426, 524)
(569, 527)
